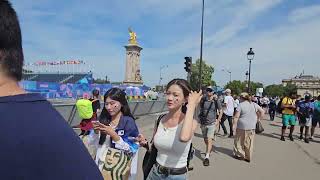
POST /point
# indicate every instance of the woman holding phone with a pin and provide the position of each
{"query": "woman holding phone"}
(116, 127)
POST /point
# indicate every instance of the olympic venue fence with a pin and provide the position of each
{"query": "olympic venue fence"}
(138, 108)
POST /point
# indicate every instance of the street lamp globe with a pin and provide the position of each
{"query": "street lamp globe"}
(250, 54)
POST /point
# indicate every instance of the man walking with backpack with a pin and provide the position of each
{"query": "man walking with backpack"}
(305, 109)
(208, 113)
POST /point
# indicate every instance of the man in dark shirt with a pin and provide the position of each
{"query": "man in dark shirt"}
(36, 142)
(209, 107)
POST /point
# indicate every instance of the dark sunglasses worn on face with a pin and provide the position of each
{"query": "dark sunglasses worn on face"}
(210, 90)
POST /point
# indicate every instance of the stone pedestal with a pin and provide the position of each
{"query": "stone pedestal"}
(133, 73)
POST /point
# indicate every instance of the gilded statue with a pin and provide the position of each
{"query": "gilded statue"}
(133, 37)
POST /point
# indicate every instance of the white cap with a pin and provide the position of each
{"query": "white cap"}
(227, 91)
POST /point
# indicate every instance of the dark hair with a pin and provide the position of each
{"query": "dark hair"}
(95, 93)
(11, 54)
(318, 98)
(185, 86)
(117, 95)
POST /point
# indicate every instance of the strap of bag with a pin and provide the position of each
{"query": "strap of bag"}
(255, 110)
(209, 109)
(156, 126)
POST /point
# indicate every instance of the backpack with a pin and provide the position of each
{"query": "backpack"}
(84, 107)
(305, 109)
(317, 108)
(272, 104)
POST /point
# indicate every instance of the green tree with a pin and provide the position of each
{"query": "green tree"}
(274, 90)
(279, 90)
(290, 88)
(254, 86)
(238, 87)
(207, 74)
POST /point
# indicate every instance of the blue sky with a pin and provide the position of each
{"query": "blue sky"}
(284, 34)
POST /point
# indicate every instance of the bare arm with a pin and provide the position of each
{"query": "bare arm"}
(189, 125)
(235, 120)
(260, 112)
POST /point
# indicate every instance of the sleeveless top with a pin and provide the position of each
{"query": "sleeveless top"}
(172, 153)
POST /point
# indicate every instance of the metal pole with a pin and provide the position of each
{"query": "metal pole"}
(189, 77)
(201, 44)
(249, 76)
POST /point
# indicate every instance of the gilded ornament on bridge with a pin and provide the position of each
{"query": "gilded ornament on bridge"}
(133, 37)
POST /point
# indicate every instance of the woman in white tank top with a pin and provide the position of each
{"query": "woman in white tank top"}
(173, 136)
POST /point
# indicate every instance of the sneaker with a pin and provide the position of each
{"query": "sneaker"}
(311, 137)
(246, 160)
(230, 136)
(237, 157)
(282, 138)
(301, 137)
(290, 137)
(206, 162)
(306, 140)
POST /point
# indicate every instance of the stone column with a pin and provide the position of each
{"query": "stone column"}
(132, 74)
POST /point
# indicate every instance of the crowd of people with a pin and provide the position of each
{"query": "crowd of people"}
(37, 143)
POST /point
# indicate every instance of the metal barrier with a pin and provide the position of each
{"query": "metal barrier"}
(138, 108)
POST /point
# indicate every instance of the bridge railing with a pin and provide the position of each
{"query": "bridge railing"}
(138, 108)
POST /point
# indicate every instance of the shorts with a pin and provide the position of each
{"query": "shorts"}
(208, 130)
(288, 119)
(305, 121)
(315, 121)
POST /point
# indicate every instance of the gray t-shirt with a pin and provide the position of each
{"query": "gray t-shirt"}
(212, 114)
(248, 115)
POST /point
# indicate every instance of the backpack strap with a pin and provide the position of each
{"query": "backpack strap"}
(156, 126)
(209, 109)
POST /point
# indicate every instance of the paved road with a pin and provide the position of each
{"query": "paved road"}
(272, 158)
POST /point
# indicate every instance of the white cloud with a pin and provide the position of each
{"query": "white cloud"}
(304, 13)
(280, 53)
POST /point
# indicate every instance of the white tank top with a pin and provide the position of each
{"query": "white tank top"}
(172, 152)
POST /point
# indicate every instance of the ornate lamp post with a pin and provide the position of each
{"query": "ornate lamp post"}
(250, 56)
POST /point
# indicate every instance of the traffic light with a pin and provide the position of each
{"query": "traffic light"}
(188, 64)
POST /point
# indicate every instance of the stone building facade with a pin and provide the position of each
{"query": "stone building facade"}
(306, 84)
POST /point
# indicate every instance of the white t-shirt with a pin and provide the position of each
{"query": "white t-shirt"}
(228, 100)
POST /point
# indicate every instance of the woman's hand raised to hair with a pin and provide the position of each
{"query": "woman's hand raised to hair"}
(194, 98)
